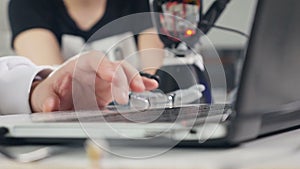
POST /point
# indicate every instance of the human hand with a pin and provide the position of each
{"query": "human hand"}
(87, 76)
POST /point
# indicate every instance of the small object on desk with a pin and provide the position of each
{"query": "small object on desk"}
(39, 153)
(147, 100)
(94, 153)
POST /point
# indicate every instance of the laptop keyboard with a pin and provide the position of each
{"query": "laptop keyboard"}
(126, 115)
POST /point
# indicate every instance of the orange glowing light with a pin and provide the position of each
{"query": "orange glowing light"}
(189, 32)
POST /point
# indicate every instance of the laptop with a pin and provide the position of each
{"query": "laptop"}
(268, 99)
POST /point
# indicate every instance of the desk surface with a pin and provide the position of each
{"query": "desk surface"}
(278, 151)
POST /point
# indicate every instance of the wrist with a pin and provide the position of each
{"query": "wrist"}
(37, 80)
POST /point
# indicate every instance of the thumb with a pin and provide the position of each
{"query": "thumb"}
(51, 103)
(61, 88)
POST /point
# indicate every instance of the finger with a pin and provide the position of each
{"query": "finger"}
(114, 73)
(64, 92)
(103, 91)
(93, 62)
(134, 79)
(150, 84)
(103, 101)
(44, 97)
(120, 87)
(59, 96)
(104, 68)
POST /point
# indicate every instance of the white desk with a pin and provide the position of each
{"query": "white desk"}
(278, 151)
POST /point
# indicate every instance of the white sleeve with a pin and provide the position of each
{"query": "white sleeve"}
(16, 76)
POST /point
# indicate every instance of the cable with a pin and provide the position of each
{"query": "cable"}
(229, 29)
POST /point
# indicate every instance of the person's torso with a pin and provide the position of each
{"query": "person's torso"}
(117, 25)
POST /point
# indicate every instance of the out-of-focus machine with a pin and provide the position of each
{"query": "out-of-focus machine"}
(180, 24)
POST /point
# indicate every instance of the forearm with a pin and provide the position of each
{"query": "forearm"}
(40, 46)
(151, 51)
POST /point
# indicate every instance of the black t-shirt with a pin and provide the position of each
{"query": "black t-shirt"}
(53, 15)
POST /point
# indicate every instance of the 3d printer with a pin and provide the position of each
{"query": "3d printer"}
(180, 24)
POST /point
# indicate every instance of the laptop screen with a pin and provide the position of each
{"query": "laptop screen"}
(271, 74)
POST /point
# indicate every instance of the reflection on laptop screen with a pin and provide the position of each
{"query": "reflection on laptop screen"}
(273, 79)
